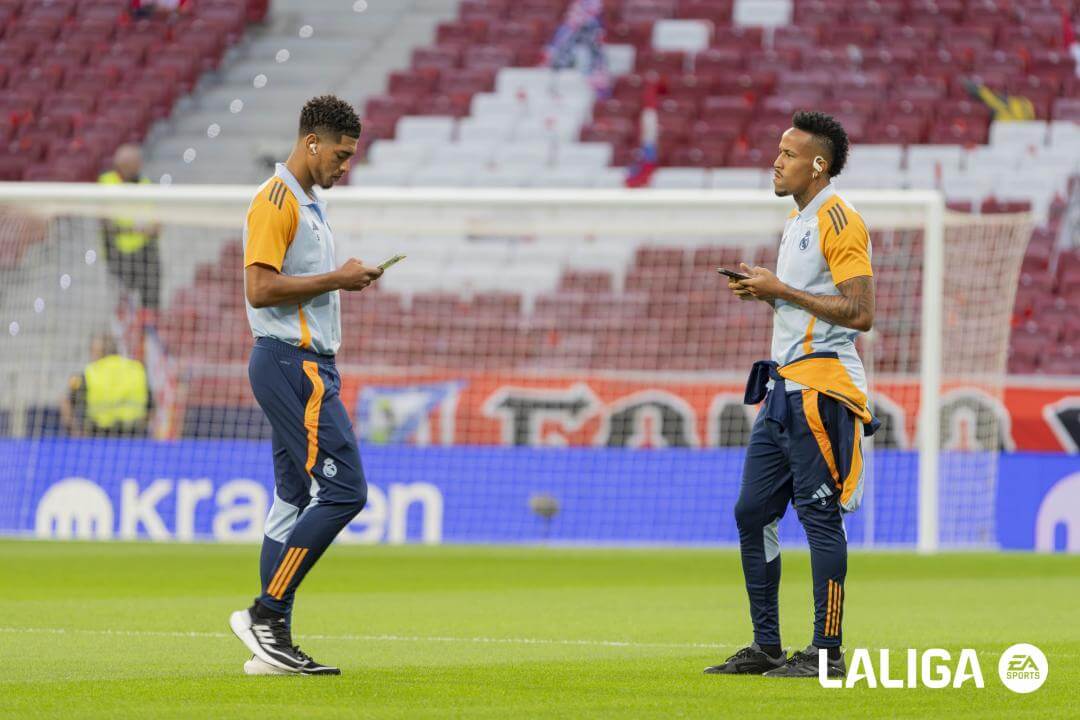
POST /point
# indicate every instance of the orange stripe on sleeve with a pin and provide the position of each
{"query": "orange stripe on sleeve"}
(311, 413)
(845, 243)
(271, 225)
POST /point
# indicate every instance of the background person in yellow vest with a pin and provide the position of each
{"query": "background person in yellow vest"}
(111, 398)
(131, 249)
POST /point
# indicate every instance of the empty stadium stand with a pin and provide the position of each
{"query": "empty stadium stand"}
(79, 77)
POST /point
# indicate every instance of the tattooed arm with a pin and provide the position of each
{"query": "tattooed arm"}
(852, 308)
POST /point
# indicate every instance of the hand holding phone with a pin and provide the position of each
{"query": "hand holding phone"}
(391, 261)
(732, 274)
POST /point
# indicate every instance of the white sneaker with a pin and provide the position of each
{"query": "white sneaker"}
(268, 640)
(255, 666)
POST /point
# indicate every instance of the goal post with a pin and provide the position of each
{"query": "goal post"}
(930, 372)
(527, 318)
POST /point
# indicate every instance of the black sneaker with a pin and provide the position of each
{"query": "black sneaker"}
(804, 663)
(314, 668)
(255, 666)
(750, 660)
(268, 639)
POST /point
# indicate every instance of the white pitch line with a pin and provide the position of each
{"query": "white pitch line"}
(379, 638)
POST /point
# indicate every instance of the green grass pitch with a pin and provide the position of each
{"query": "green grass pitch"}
(116, 630)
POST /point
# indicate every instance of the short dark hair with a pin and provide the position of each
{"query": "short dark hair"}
(829, 132)
(329, 114)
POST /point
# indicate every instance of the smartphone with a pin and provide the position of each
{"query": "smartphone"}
(391, 261)
(732, 274)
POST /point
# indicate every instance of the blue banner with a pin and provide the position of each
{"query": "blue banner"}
(221, 490)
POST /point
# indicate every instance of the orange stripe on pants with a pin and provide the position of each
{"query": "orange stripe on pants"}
(828, 606)
(813, 419)
(854, 476)
(298, 558)
(277, 576)
(839, 609)
(311, 413)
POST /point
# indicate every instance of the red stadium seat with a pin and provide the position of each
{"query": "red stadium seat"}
(666, 64)
(727, 107)
(718, 130)
(23, 103)
(13, 166)
(718, 12)
(626, 109)
(449, 105)
(638, 34)
(738, 36)
(489, 57)
(957, 131)
(413, 82)
(439, 56)
(702, 153)
(588, 282)
(746, 156)
(686, 88)
(1067, 109)
(467, 81)
(715, 63)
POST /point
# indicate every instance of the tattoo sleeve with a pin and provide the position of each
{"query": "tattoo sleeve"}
(852, 308)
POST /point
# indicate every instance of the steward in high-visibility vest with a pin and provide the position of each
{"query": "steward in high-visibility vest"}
(111, 397)
(126, 237)
(131, 248)
(117, 394)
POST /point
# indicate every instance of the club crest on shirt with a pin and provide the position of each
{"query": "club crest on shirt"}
(805, 242)
(315, 231)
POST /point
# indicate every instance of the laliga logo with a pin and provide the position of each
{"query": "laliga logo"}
(932, 669)
(1022, 668)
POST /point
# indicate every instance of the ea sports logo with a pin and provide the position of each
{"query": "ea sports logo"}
(1023, 668)
(329, 469)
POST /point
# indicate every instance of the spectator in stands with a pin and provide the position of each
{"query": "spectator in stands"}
(131, 249)
(582, 27)
(111, 398)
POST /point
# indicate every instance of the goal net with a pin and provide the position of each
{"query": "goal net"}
(543, 366)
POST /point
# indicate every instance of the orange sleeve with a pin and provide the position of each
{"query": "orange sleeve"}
(271, 225)
(846, 246)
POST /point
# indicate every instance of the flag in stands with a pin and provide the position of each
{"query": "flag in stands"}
(646, 159)
(582, 31)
